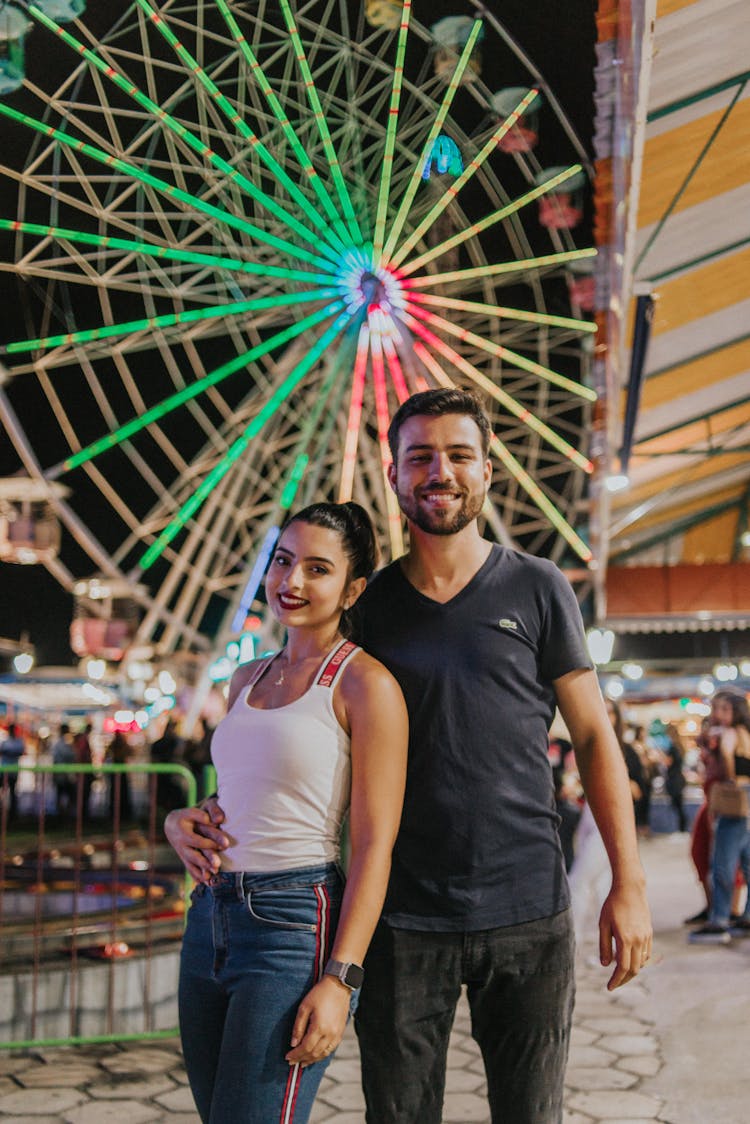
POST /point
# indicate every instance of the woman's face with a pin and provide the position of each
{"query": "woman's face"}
(307, 584)
(721, 712)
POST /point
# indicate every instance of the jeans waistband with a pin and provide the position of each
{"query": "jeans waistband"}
(240, 882)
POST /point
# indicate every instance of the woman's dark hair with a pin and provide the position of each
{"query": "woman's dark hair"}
(738, 703)
(618, 725)
(354, 527)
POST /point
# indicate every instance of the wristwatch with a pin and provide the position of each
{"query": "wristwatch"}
(350, 975)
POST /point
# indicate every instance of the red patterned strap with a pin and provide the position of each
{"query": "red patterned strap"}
(328, 675)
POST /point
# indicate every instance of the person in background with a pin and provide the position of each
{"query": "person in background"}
(11, 752)
(730, 718)
(674, 781)
(639, 768)
(166, 751)
(120, 752)
(701, 836)
(83, 756)
(65, 783)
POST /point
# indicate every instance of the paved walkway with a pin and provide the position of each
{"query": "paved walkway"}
(671, 1047)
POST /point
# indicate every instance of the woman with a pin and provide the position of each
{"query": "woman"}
(274, 942)
(730, 719)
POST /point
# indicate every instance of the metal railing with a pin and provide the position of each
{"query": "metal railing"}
(92, 903)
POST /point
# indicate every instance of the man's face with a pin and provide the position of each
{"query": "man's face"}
(440, 476)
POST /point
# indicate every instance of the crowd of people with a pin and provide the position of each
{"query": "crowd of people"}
(94, 795)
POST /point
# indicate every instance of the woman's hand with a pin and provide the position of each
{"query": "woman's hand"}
(320, 1023)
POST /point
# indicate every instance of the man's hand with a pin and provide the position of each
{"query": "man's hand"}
(197, 838)
(625, 922)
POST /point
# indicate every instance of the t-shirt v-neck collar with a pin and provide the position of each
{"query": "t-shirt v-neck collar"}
(457, 598)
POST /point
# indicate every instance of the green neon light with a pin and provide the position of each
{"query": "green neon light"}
(168, 253)
(229, 111)
(236, 450)
(523, 264)
(185, 134)
(437, 125)
(293, 483)
(470, 170)
(102, 157)
(534, 368)
(390, 133)
(508, 313)
(168, 320)
(187, 393)
(278, 111)
(320, 121)
(491, 220)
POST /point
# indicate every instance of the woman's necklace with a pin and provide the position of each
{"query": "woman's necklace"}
(282, 656)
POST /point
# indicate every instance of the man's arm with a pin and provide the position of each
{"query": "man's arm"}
(625, 919)
(197, 838)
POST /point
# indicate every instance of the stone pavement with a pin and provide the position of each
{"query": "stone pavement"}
(670, 1047)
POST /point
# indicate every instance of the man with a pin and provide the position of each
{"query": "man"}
(484, 641)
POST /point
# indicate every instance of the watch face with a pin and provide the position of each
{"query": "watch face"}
(354, 976)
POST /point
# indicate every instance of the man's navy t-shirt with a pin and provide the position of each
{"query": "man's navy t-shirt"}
(478, 846)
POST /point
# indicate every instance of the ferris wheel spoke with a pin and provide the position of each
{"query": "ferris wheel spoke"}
(506, 400)
(194, 389)
(380, 389)
(199, 146)
(469, 171)
(192, 201)
(501, 352)
(168, 253)
(238, 447)
(168, 320)
(439, 121)
(495, 310)
(320, 122)
(490, 220)
(354, 418)
(231, 114)
(390, 132)
(306, 164)
(497, 269)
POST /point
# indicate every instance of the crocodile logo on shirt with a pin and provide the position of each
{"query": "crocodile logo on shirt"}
(506, 622)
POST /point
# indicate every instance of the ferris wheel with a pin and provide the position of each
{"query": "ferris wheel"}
(247, 231)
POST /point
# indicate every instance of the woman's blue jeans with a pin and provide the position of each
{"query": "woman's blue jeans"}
(253, 947)
(731, 849)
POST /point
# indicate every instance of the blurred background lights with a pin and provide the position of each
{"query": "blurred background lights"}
(706, 686)
(600, 642)
(615, 689)
(632, 671)
(725, 672)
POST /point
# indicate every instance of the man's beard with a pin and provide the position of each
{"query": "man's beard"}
(440, 521)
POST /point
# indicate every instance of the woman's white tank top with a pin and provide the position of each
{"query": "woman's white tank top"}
(284, 775)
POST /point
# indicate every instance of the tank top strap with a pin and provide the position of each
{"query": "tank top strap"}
(334, 665)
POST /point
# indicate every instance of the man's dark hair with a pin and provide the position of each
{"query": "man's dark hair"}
(435, 403)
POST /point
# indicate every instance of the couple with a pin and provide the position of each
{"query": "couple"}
(483, 642)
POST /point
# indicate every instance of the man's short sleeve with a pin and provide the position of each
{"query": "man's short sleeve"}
(563, 647)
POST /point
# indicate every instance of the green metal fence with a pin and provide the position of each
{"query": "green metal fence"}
(91, 908)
